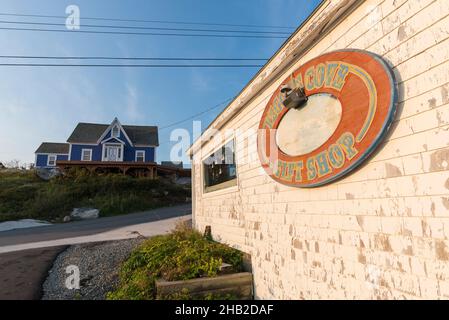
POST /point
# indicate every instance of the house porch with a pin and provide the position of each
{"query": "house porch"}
(140, 169)
(146, 169)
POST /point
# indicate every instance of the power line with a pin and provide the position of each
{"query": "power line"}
(263, 100)
(144, 28)
(149, 33)
(148, 21)
(196, 115)
(125, 58)
(133, 65)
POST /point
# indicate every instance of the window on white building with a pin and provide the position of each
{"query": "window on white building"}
(140, 156)
(220, 169)
(86, 155)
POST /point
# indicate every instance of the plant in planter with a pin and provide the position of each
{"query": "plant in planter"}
(183, 254)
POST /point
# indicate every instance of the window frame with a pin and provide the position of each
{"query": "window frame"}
(118, 132)
(48, 160)
(121, 151)
(226, 186)
(82, 154)
(143, 155)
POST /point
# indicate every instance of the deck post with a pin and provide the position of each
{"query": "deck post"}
(146, 169)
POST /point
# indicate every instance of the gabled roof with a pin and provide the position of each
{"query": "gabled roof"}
(53, 147)
(146, 135)
(87, 132)
(91, 132)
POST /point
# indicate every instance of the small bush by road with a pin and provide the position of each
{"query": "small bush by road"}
(181, 255)
(24, 195)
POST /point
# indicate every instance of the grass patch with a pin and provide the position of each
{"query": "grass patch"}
(181, 255)
(24, 195)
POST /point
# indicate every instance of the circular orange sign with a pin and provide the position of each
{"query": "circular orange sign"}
(351, 99)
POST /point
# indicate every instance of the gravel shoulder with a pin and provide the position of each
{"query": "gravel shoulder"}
(98, 265)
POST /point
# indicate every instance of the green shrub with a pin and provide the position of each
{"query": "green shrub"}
(23, 195)
(181, 255)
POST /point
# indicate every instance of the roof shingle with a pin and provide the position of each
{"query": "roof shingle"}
(52, 147)
(147, 135)
(91, 132)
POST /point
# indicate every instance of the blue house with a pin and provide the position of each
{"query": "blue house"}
(49, 152)
(105, 145)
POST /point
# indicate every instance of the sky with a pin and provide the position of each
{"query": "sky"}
(45, 103)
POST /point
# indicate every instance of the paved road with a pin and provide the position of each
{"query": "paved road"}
(89, 227)
(22, 273)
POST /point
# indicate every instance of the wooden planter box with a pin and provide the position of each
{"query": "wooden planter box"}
(238, 285)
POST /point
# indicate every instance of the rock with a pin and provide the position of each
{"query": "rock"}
(165, 193)
(47, 174)
(226, 268)
(84, 213)
(185, 181)
(85, 282)
(66, 219)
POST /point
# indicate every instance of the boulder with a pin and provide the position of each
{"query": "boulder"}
(183, 181)
(84, 214)
(47, 174)
(66, 219)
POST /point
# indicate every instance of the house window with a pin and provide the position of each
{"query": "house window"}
(51, 161)
(86, 155)
(140, 156)
(220, 168)
(112, 152)
(115, 132)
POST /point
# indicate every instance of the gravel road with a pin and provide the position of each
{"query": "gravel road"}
(98, 264)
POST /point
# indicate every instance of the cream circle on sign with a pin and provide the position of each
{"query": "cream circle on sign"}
(306, 129)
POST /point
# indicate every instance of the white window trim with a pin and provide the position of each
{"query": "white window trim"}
(227, 189)
(90, 154)
(48, 160)
(109, 128)
(118, 131)
(112, 138)
(122, 150)
(140, 151)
